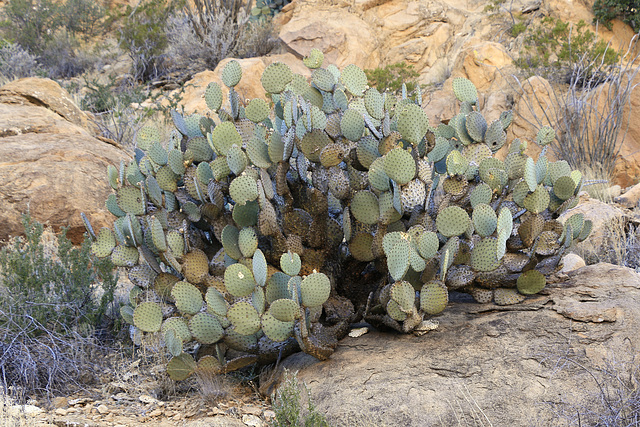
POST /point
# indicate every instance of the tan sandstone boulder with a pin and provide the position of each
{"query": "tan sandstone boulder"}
(537, 363)
(50, 165)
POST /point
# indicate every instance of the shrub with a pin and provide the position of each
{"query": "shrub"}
(555, 44)
(287, 404)
(391, 77)
(202, 35)
(31, 23)
(588, 114)
(144, 36)
(626, 10)
(48, 30)
(15, 61)
(54, 300)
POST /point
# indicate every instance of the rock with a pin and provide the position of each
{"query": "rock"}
(60, 402)
(344, 38)
(630, 198)
(50, 166)
(21, 411)
(571, 262)
(46, 93)
(252, 420)
(506, 366)
(219, 421)
(103, 409)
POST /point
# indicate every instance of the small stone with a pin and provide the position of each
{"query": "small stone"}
(269, 415)
(252, 420)
(103, 409)
(571, 262)
(24, 410)
(61, 411)
(60, 402)
(252, 410)
(358, 332)
(145, 398)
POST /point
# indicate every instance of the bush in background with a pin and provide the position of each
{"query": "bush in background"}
(48, 32)
(627, 10)
(391, 77)
(16, 62)
(144, 37)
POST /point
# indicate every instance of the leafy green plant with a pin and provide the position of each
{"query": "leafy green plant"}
(31, 23)
(55, 284)
(518, 29)
(144, 36)
(48, 31)
(626, 10)
(558, 44)
(391, 77)
(287, 404)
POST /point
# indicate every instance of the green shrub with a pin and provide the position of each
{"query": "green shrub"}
(144, 37)
(48, 31)
(54, 285)
(31, 23)
(626, 10)
(518, 29)
(558, 44)
(391, 77)
(287, 404)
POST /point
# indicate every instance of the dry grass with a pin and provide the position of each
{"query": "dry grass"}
(620, 245)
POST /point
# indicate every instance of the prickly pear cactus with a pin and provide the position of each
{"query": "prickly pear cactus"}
(267, 8)
(275, 225)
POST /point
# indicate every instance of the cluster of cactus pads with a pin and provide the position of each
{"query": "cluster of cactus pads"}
(267, 8)
(275, 225)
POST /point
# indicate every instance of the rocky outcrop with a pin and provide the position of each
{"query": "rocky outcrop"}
(541, 362)
(51, 165)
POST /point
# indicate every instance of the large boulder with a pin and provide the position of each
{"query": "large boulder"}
(542, 362)
(51, 165)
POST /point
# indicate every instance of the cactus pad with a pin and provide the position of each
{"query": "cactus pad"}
(484, 220)
(206, 328)
(188, 298)
(231, 73)
(453, 221)
(464, 90)
(148, 317)
(315, 289)
(276, 330)
(400, 166)
(244, 318)
(507, 296)
(314, 59)
(433, 297)
(276, 77)
(239, 280)
(354, 80)
(285, 310)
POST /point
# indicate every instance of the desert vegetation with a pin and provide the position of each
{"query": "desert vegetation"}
(233, 227)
